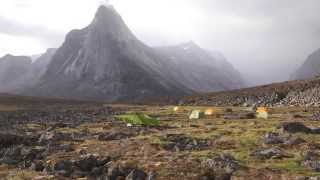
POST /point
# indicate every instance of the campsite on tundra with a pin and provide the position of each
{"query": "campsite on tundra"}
(159, 90)
(60, 139)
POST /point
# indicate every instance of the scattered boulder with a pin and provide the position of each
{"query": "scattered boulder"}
(88, 162)
(8, 140)
(276, 138)
(11, 156)
(273, 138)
(315, 117)
(110, 136)
(136, 175)
(124, 172)
(20, 155)
(270, 153)
(180, 142)
(294, 127)
(63, 168)
(221, 167)
(49, 137)
(291, 141)
(37, 166)
(311, 161)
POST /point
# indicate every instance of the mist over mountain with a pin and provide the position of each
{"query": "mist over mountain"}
(201, 70)
(19, 72)
(310, 68)
(12, 71)
(105, 61)
(40, 65)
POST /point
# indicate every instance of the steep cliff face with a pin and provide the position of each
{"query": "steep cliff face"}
(310, 68)
(12, 71)
(105, 61)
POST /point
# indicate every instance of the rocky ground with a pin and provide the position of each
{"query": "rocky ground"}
(86, 141)
(292, 93)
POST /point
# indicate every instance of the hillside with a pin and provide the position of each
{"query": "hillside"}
(291, 93)
(310, 68)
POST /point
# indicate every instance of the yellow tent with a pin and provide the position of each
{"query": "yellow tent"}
(209, 112)
(176, 109)
(262, 112)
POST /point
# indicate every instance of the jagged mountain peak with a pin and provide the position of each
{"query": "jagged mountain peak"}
(10, 57)
(189, 45)
(108, 23)
(108, 17)
(105, 11)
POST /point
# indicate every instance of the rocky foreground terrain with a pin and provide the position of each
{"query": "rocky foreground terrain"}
(292, 93)
(58, 139)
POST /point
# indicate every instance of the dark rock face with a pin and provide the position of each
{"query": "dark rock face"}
(105, 61)
(310, 68)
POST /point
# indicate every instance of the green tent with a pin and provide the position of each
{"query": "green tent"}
(139, 119)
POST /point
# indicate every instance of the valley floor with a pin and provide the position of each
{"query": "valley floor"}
(86, 141)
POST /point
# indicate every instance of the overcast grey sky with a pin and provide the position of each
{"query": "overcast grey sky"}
(265, 39)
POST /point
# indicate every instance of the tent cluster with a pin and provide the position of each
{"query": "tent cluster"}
(261, 112)
(197, 114)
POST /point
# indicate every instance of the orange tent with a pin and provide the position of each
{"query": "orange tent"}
(209, 112)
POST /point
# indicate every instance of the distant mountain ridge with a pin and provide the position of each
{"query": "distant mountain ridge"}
(310, 68)
(18, 72)
(12, 71)
(201, 70)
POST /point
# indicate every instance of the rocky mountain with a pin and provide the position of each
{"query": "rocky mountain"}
(12, 71)
(201, 70)
(105, 61)
(310, 68)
